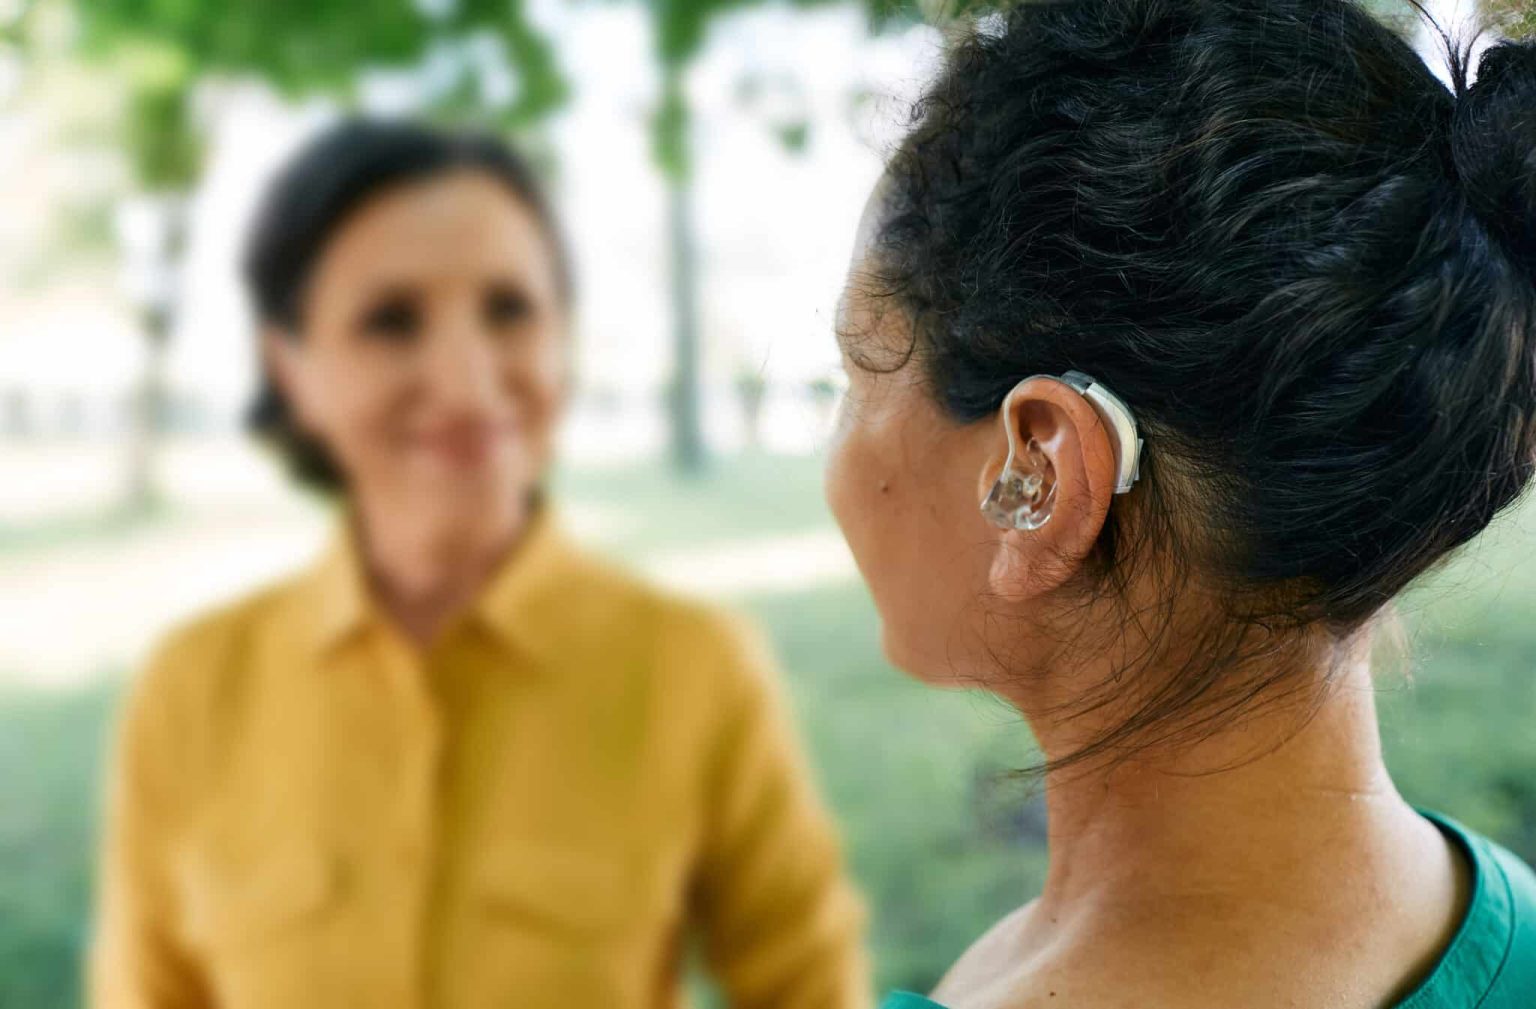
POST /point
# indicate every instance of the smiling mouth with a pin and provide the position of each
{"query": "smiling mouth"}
(464, 448)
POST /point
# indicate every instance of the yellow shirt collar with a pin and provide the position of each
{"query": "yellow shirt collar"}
(343, 602)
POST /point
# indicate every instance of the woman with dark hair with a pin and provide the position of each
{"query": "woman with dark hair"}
(458, 762)
(1183, 337)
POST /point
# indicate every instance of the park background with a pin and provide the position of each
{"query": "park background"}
(709, 159)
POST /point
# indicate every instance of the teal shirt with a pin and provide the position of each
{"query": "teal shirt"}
(1490, 962)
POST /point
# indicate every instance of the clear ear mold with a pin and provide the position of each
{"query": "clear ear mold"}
(1025, 491)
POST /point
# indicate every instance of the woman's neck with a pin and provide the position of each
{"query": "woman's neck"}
(1278, 841)
(427, 567)
(1231, 814)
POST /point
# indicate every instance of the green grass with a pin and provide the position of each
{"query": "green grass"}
(942, 839)
(50, 749)
(103, 524)
(751, 496)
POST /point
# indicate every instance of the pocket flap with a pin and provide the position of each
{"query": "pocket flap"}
(583, 890)
(232, 901)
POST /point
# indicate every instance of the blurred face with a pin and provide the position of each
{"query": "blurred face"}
(431, 361)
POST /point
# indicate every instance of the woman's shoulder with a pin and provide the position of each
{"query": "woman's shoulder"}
(192, 654)
(1491, 961)
(170, 722)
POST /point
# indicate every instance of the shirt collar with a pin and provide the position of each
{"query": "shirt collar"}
(339, 600)
(513, 607)
(521, 603)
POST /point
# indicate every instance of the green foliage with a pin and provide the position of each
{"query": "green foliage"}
(544, 88)
(161, 48)
(669, 128)
(795, 137)
(163, 146)
(1517, 18)
(299, 45)
(681, 28)
(1457, 718)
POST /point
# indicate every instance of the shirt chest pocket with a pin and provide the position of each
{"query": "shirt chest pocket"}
(580, 892)
(246, 903)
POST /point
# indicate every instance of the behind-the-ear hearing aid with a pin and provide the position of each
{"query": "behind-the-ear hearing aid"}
(1025, 492)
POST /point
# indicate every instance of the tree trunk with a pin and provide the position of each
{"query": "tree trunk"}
(148, 416)
(688, 450)
(155, 266)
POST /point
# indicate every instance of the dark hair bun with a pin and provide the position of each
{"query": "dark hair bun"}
(1493, 143)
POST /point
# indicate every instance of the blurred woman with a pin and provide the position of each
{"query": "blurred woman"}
(1182, 338)
(458, 762)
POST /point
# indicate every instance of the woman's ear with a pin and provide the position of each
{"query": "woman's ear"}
(282, 357)
(1063, 463)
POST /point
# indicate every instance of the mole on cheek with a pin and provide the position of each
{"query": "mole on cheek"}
(885, 486)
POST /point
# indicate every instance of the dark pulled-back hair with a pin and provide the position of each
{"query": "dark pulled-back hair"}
(1307, 265)
(316, 192)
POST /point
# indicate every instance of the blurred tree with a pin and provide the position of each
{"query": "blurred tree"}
(162, 49)
(680, 28)
(164, 155)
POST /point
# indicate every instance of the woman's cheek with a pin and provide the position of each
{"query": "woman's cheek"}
(858, 492)
(835, 486)
(377, 434)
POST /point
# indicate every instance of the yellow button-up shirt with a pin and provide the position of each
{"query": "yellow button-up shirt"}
(306, 811)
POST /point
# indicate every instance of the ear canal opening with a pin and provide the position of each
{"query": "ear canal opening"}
(1024, 495)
